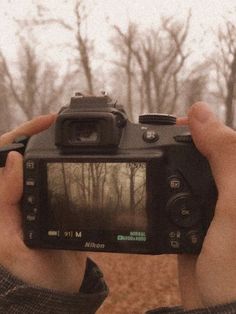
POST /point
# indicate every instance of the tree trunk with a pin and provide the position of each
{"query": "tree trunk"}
(230, 94)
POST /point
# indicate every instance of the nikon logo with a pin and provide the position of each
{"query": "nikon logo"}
(94, 245)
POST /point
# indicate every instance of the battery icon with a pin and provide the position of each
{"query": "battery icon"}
(53, 233)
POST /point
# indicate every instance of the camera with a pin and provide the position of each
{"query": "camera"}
(94, 181)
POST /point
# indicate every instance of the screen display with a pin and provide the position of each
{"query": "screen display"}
(97, 196)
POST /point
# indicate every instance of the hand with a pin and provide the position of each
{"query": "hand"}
(57, 270)
(210, 278)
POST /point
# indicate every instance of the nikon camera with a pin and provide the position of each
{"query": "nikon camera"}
(94, 181)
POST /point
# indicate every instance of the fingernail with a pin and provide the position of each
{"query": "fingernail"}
(201, 112)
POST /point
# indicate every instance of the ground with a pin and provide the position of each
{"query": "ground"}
(138, 282)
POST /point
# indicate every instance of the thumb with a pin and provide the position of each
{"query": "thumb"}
(11, 180)
(217, 143)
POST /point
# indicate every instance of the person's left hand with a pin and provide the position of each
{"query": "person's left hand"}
(57, 270)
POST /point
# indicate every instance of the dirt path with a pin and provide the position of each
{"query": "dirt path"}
(138, 283)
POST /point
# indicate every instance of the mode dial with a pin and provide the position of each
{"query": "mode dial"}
(157, 118)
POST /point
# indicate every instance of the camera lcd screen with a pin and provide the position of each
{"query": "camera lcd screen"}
(97, 196)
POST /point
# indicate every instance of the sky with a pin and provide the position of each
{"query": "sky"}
(206, 15)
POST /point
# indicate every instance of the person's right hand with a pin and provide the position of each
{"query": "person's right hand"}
(210, 278)
(61, 271)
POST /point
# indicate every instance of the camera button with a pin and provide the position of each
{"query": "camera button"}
(175, 183)
(30, 165)
(175, 244)
(31, 199)
(31, 218)
(183, 210)
(184, 138)
(31, 234)
(174, 239)
(175, 235)
(34, 210)
(30, 182)
(193, 238)
(150, 136)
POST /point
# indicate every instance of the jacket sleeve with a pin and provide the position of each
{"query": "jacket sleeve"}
(18, 297)
(229, 308)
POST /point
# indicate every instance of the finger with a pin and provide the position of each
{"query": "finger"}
(217, 142)
(11, 188)
(28, 128)
(11, 180)
(182, 121)
(187, 281)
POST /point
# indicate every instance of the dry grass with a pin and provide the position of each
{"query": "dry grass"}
(137, 282)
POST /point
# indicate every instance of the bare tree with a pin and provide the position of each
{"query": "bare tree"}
(124, 44)
(167, 71)
(225, 68)
(82, 45)
(196, 85)
(153, 60)
(5, 117)
(33, 85)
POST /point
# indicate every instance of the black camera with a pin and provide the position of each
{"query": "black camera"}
(94, 181)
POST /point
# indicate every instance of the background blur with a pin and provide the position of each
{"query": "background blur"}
(153, 55)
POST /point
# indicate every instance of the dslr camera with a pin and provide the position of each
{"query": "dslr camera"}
(94, 181)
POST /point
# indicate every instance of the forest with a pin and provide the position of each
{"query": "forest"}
(151, 69)
(97, 196)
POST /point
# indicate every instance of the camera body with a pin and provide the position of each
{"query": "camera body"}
(94, 181)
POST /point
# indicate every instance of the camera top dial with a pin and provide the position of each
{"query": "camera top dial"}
(157, 118)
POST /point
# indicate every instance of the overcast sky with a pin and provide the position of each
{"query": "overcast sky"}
(206, 15)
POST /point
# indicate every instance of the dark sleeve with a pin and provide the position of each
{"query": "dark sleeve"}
(18, 297)
(229, 308)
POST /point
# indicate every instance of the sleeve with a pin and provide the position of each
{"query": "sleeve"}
(18, 297)
(229, 308)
